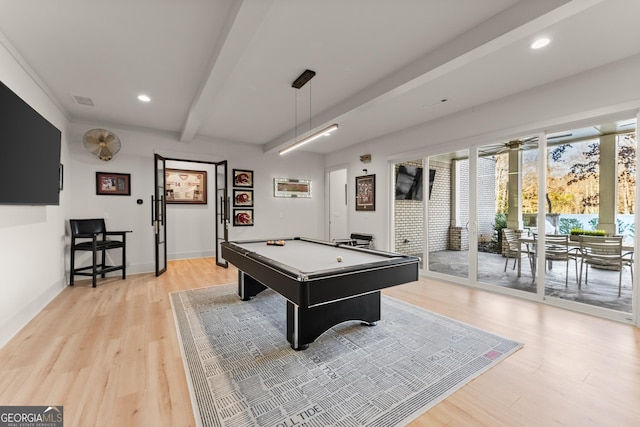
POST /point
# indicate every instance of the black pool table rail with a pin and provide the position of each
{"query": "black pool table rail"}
(318, 300)
(391, 259)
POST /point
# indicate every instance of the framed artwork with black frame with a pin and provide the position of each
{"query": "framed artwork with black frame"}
(242, 198)
(242, 178)
(366, 193)
(113, 184)
(242, 217)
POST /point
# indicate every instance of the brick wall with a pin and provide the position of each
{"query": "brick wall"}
(439, 217)
(486, 198)
(409, 218)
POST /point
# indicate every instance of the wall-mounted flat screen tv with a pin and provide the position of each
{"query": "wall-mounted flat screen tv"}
(29, 154)
(409, 182)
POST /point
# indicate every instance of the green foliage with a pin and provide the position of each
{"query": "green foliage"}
(579, 231)
(565, 225)
(624, 227)
(499, 223)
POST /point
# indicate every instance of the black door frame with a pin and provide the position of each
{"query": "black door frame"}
(159, 210)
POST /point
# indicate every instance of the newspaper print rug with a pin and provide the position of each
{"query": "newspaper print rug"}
(242, 371)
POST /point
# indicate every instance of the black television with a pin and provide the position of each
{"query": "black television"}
(409, 182)
(29, 155)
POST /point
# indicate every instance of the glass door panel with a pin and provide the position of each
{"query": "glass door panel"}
(506, 193)
(158, 215)
(448, 214)
(409, 178)
(222, 211)
(591, 190)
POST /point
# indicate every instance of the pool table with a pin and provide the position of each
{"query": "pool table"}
(324, 283)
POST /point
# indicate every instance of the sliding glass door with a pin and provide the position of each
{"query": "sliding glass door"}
(590, 189)
(545, 190)
(448, 215)
(409, 201)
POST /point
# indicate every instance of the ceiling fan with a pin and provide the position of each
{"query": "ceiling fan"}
(516, 144)
(102, 143)
(503, 147)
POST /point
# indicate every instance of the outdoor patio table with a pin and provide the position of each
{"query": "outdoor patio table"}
(531, 242)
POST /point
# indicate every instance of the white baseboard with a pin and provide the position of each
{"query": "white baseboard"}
(190, 255)
(24, 315)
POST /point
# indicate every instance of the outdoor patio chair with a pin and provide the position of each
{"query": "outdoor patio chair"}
(556, 248)
(605, 253)
(514, 247)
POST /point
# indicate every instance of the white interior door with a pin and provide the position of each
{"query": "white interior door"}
(338, 220)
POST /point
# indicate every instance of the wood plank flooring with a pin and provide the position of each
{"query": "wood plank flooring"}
(110, 355)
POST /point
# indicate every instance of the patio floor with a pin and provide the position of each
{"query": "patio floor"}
(601, 291)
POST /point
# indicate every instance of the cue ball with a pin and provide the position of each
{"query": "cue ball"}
(339, 259)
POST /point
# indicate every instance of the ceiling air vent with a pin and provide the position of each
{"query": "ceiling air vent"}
(83, 100)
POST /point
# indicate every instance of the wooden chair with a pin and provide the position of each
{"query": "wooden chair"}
(605, 253)
(90, 235)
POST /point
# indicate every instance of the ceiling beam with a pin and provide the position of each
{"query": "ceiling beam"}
(522, 19)
(245, 17)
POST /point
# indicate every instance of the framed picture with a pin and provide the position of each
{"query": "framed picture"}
(113, 184)
(186, 186)
(242, 198)
(242, 178)
(243, 217)
(284, 187)
(366, 193)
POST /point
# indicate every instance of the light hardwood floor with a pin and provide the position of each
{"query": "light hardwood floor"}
(110, 355)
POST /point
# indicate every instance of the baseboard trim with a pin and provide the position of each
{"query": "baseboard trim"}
(24, 315)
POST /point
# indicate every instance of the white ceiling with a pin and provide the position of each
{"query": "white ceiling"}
(222, 69)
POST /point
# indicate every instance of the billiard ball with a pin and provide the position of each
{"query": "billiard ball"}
(339, 259)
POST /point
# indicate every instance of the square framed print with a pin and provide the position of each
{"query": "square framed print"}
(242, 178)
(242, 217)
(113, 184)
(366, 193)
(186, 186)
(242, 198)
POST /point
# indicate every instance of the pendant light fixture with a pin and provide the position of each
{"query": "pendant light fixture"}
(297, 84)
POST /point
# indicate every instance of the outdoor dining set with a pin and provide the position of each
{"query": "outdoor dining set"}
(586, 251)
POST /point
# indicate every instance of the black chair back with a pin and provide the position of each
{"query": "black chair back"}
(87, 226)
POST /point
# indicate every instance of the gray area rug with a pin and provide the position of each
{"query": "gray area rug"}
(242, 371)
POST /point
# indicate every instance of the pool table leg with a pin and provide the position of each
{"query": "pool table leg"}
(248, 286)
(305, 324)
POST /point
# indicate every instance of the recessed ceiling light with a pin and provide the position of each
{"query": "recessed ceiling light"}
(540, 43)
(144, 98)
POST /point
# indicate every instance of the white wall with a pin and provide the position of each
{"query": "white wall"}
(190, 228)
(31, 237)
(581, 100)
(34, 259)
(190, 231)
(31, 275)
